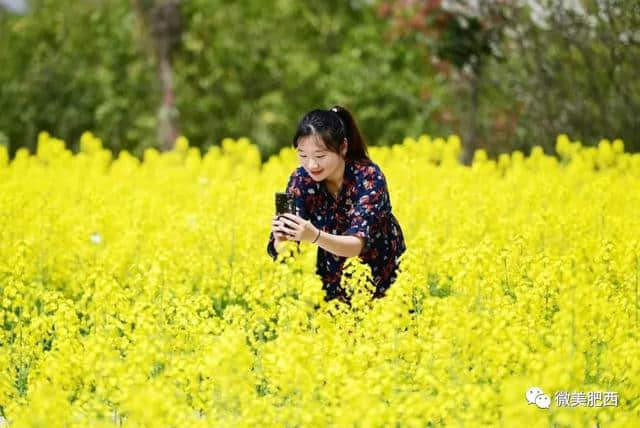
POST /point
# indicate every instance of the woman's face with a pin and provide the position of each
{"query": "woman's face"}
(316, 159)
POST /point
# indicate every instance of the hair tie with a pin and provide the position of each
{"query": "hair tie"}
(342, 122)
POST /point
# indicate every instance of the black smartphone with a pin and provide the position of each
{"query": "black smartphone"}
(284, 203)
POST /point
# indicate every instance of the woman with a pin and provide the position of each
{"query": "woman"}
(342, 203)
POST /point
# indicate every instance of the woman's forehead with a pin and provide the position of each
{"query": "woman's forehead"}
(311, 143)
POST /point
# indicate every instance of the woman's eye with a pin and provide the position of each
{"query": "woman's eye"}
(320, 157)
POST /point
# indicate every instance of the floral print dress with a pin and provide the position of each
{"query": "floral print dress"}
(362, 208)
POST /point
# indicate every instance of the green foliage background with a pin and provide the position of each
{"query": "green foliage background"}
(253, 68)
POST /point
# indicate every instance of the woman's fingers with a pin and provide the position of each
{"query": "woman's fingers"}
(292, 217)
(278, 225)
(285, 225)
(276, 228)
(287, 222)
(281, 233)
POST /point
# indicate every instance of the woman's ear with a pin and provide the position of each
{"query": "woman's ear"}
(345, 147)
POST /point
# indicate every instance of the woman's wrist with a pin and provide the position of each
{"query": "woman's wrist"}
(317, 237)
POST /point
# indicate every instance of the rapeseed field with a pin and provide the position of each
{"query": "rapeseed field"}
(140, 294)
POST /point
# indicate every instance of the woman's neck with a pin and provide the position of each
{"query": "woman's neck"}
(334, 181)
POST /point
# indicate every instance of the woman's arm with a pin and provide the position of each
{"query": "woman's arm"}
(340, 245)
(299, 229)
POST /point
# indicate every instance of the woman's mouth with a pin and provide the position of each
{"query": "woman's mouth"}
(316, 172)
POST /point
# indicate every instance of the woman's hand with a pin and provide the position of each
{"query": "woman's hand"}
(276, 229)
(297, 228)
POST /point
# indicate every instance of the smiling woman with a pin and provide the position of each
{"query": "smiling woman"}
(342, 203)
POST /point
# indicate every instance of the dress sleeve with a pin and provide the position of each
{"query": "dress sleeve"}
(372, 205)
(294, 186)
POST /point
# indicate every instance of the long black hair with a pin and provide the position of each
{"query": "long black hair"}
(333, 126)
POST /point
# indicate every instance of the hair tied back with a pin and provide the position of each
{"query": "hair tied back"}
(333, 126)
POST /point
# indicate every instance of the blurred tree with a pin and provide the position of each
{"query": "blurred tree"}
(573, 69)
(534, 68)
(245, 68)
(253, 69)
(509, 78)
(163, 29)
(70, 66)
(462, 34)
